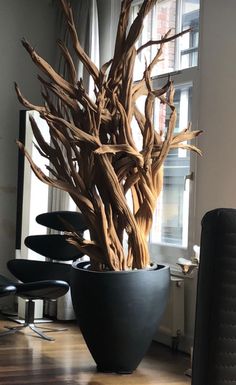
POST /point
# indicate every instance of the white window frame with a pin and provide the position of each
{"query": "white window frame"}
(170, 253)
(166, 252)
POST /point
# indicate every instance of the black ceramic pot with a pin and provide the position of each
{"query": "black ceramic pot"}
(119, 312)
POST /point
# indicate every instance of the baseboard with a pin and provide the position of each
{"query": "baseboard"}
(181, 343)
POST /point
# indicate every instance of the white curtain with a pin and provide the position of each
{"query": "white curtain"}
(86, 19)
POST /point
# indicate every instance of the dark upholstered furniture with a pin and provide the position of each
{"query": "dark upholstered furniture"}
(31, 290)
(54, 277)
(63, 221)
(53, 246)
(6, 287)
(27, 270)
(214, 353)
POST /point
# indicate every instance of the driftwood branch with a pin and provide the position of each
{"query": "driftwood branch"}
(163, 40)
(93, 153)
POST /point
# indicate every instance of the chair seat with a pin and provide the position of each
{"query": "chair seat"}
(50, 289)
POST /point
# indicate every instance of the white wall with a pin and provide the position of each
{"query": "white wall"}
(35, 20)
(216, 176)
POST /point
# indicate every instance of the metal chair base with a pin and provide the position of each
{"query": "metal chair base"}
(35, 329)
(15, 329)
(29, 322)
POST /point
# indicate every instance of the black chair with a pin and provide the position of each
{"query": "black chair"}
(54, 247)
(44, 290)
(214, 352)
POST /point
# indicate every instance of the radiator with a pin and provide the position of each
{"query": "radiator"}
(172, 324)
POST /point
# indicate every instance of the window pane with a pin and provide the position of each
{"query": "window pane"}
(156, 24)
(189, 42)
(181, 53)
(170, 224)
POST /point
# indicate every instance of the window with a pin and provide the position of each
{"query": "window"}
(170, 224)
(171, 233)
(189, 42)
(174, 15)
(34, 192)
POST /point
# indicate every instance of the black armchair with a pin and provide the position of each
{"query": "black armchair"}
(47, 279)
(214, 352)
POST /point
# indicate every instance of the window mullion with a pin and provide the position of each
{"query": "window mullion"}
(177, 30)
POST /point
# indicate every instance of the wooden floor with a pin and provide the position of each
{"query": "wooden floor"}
(26, 359)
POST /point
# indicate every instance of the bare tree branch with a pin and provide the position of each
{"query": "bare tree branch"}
(93, 151)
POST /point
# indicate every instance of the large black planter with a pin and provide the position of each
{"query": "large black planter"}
(119, 312)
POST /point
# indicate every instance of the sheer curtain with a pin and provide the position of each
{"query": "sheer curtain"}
(86, 19)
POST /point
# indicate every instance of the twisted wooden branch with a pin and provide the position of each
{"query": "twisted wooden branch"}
(93, 153)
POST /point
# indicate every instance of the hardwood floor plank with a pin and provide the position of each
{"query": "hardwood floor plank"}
(27, 359)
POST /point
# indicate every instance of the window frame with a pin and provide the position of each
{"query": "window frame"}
(166, 252)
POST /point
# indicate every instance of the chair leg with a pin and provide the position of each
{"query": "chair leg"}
(11, 330)
(15, 329)
(29, 312)
(29, 318)
(53, 329)
(40, 333)
(29, 322)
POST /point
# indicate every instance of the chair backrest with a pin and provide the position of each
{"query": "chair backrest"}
(53, 246)
(31, 271)
(214, 351)
(63, 221)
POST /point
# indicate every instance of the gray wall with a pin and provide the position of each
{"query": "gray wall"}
(216, 176)
(36, 21)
